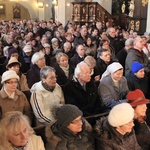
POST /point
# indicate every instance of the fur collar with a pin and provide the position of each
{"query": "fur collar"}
(54, 140)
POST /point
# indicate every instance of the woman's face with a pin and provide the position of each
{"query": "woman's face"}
(20, 136)
(140, 110)
(11, 85)
(76, 125)
(117, 75)
(50, 80)
(41, 63)
(140, 74)
(89, 41)
(15, 68)
(63, 61)
(126, 128)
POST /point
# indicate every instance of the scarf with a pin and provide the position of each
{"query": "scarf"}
(66, 70)
(48, 88)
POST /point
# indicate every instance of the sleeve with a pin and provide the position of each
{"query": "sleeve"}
(38, 107)
(107, 97)
(41, 145)
(27, 108)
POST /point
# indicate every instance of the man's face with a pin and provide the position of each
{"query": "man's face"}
(81, 51)
(105, 56)
(139, 44)
(112, 33)
(85, 75)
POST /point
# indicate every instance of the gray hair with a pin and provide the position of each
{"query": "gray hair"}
(36, 57)
(129, 42)
(90, 61)
(10, 121)
(45, 71)
(77, 70)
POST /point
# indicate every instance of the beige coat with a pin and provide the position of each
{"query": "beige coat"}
(19, 103)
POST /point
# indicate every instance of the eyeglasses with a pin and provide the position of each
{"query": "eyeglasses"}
(77, 121)
(12, 82)
(52, 78)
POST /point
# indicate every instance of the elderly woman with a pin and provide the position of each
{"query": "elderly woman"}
(113, 86)
(11, 99)
(70, 131)
(45, 95)
(116, 132)
(63, 69)
(138, 101)
(14, 64)
(16, 133)
(33, 75)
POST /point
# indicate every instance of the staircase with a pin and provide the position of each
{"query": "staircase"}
(88, 12)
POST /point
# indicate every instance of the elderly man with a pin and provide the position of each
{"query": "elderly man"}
(82, 92)
(135, 54)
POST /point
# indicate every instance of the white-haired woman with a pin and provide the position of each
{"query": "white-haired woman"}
(33, 75)
(17, 134)
(113, 86)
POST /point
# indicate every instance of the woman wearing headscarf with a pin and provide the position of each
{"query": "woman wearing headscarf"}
(113, 86)
(138, 101)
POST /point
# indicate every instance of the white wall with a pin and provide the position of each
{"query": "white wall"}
(107, 4)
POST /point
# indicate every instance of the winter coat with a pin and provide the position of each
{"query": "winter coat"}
(111, 95)
(87, 100)
(75, 60)
(19, 103)
(136, 83)
(42, 102)
(142, 132)
(65, 139)
(134, 55)
(33, 75)
(61, 77)
(108, 138)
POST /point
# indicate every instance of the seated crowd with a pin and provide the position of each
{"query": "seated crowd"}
(86, 87)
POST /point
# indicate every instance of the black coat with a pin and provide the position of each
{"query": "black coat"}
(61, 77)
(33, 75)
(87, 101)
(108, 138)
(121, 55)
(142, 132)
(75, 60)
(136, 83)
(101, 66)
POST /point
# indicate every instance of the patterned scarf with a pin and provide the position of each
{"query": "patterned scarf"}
(48, 88)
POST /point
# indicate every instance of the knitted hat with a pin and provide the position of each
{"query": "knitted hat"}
(10, 74)
(66, 114)
(27, 48)
(11, 51)
(13, 60)
(120, 114)
(136, 66)
(136, 97)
